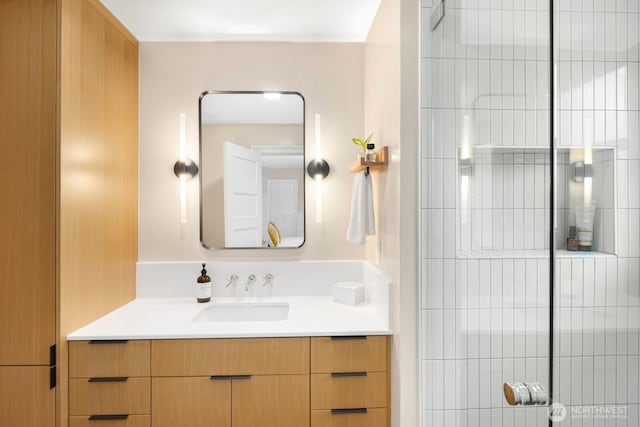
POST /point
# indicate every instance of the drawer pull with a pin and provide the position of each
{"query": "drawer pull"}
(230, 377)
(108, 379)
(348, 374)
(108, 341)
(108, 417)
(349, 337)
(349, 411)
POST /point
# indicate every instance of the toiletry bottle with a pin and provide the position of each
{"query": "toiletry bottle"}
(204, 286)
(371, 155)
(572, 240)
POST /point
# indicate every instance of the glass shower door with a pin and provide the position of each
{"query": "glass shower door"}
(597, 290)
(487, 165)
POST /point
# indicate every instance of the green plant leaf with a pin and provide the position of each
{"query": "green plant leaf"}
(366, 141)
(357, 141)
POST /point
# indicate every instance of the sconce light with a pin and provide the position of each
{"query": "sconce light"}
(184, 169)
(581, 171)
(318, 169)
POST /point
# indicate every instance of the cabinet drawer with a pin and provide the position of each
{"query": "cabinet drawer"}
(102, 398)
(348, 354)
(243, 356)
(362, 391)
(109, 359)
(130, 421)
(372, 418)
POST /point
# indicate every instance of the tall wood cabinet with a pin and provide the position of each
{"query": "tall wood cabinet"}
(65, 121)
(27, 210)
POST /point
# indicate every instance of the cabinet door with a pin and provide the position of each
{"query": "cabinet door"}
(27, 177)
(271, 401)
(190, 402)
(25, 397)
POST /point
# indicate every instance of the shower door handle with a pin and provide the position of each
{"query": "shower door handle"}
(525, 394)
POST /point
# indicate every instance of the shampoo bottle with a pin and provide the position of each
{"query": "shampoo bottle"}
(204, 286)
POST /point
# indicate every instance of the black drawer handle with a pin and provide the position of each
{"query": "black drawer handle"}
(108, 341)
(349, 337)
(108, 417)
(349, 411)
(108, 379)
(230, 377)
(348, 374)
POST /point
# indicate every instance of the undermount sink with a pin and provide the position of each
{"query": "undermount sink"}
(247, 312)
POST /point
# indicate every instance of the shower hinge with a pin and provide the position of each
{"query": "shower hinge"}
(437, 15)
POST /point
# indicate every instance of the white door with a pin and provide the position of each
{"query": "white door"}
(283, 205)
(242, 197)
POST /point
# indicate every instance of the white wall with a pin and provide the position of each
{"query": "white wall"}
(172, 77)
(391, 112)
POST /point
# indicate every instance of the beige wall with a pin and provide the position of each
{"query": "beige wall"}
(247, 135)
(172, 77)
(391, 111)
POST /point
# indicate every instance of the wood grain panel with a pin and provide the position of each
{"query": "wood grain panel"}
(131, 421)
(98, 173)
(191, 402)
(373, 418)
(28, 190)
(328, 355)
(245, 356)
(368, 391)
(101, 398)
(25, 397)
(271, 401)
(130, 359)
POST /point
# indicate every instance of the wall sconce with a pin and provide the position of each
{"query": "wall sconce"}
(184, 169)
(318, 169)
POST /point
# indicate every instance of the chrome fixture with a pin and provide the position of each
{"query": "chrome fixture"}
(268, 280)
(581, 171)
(525, 394)
(250, 281)
(231, 281)
(185, 169)
(318, 168)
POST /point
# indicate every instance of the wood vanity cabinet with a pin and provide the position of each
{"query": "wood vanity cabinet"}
(349, 381)
(243, 382)
(110, 381)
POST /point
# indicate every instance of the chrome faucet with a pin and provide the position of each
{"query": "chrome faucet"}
(268, 280)
(250, 281)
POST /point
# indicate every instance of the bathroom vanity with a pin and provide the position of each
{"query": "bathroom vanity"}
(244, 382)
(285, 355)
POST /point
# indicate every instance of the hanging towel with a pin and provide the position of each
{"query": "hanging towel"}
(362, 222)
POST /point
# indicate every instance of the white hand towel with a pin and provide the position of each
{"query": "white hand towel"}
(362, 222)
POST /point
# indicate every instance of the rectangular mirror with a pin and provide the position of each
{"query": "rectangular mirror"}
(252, 170)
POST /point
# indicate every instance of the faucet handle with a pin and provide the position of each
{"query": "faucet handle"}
(232, 280)
(250, 281)
(268, 280)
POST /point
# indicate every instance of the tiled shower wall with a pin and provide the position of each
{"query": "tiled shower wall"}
(484, 317)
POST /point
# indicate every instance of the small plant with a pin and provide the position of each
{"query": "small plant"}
(361, 143)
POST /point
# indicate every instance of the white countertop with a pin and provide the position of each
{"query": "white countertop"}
(171, 318)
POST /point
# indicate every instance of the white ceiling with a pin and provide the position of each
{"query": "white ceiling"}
(246, 20)
(234, 108)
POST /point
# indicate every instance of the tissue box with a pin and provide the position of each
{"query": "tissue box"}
(351, 293)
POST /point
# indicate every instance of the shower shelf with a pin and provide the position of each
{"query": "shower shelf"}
(528, 254)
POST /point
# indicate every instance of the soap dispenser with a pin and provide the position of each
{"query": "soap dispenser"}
(204, 286)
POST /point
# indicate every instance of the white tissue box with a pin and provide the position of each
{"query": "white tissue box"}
(351, 293)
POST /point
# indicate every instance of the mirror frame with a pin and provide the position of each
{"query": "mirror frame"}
(304, 157)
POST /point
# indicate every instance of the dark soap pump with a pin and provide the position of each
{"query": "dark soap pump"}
(204, 286)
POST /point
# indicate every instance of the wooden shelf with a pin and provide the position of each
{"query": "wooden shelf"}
(382, 160)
